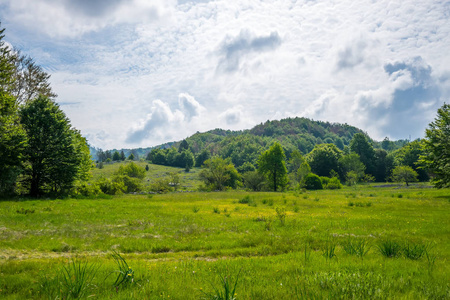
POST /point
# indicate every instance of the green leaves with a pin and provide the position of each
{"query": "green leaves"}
(272, 164)
(437, 147)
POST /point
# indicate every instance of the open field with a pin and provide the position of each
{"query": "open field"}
(296, 245)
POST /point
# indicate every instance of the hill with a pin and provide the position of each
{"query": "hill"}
(246, 145)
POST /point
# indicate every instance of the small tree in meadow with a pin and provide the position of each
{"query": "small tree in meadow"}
(404, 174)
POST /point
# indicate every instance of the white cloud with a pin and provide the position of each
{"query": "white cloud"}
(380, 65)
(74, 18)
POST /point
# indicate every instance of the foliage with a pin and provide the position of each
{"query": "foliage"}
(302, 171)
(361, 146)
(116, 156)
(202, 157)
(333, 184)
(55, 151)
(404, 174)
(409, 155)
(384, 163)
(253, 180)
(437, 147)
(131, 169)
(161, 185)
(312, 182)
(271, 163)
(219, 173)
(12, 135)
(12, 144)
(352, 163)
(324, 158)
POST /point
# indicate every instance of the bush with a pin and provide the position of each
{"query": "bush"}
(312, 182)
(111, 187)
(334, 184)
(161, 186)
(324, 180)
(86, 189)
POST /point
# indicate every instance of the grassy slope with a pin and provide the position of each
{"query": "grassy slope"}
(189, 180)
(178, 246)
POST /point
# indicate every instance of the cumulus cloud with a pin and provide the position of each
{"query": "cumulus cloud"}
(233, 49)
(189, 106)
(407, 102)
(233, 115)
(162, 122)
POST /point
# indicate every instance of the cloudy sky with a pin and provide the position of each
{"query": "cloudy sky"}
(137, 73)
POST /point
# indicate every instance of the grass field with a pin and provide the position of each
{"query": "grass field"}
(189, 181)
(357, 243)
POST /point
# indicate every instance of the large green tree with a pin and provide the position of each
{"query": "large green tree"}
(324, 158)
(437, 147)
(219, 173)
(56, 154)
(409, 155)
(361, 146)
(12, 135)
(272, 164)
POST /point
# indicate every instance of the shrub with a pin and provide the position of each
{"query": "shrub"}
(86, 189)
(312, 182)
(161, 186)
(110, 187)
(324, 180)
(334, 184)
(245, 200)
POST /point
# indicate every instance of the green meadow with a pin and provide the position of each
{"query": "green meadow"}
(364, 242)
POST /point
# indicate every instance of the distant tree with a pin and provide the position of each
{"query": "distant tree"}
(302, 171)
(219, 173)
(116, 156)
(386, 144)
(352, 163)
(101, 156)
(384, 163)
(185, 159)
(55, 152)
(246, 167)
(146, 168)
(361, 146)
(122, 156)
(272, 164)
(437, 147)
(108, 155)
(295, 161)
(158, 157)
(130, 157)
(324, 158)
(404, 174)
(409, 155)
(183, 146)
(202, 157)
(253, 180)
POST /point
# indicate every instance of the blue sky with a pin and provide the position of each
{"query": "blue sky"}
(136, 73)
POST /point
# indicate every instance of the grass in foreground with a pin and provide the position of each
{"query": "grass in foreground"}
(278, 245)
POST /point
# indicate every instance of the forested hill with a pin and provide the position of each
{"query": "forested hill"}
(246, 145)
(292, 133)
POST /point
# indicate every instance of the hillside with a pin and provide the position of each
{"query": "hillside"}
(246, 145)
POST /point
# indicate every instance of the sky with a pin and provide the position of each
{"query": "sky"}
(137, 73)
